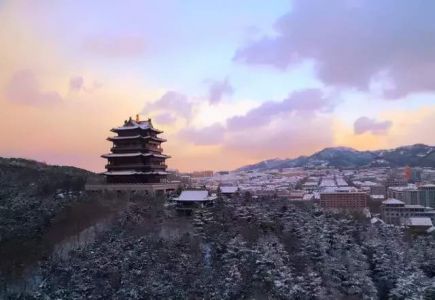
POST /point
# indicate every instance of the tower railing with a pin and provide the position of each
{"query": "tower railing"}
(137, 147)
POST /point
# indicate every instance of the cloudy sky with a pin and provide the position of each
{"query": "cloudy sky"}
(230, 82)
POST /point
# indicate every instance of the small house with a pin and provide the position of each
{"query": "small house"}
(418, 224)
(191, 199)
(229, 191)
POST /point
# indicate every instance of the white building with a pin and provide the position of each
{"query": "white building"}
(394, 211)
(229, 191)
(419, 224)
(190, 199)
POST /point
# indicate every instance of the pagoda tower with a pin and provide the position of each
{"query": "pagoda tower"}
(136, 155)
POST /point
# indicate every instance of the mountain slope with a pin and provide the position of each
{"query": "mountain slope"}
(31, 193)
(342, 157)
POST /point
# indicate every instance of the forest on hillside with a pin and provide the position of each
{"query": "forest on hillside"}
(33, 193)
(244, 249)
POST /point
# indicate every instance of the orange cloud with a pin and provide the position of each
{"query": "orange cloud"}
(408, 127)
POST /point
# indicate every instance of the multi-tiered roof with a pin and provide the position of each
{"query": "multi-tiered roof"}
(136, 155)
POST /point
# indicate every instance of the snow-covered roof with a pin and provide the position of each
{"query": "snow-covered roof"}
(409, 187)
(428, 185)
(134, 155)
(130, 137)
(229, 189)
(308, 197)
(194, 196)
(414, 206)
(132, 124)
(135, 173)
(375, 220)
(419, 221)
(392, 201)
(126, 137)
(369, 183)
(333, 190)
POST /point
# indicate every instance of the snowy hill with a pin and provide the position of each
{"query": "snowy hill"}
(344, 157)
(28, 192)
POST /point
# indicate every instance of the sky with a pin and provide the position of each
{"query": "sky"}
(230, 82)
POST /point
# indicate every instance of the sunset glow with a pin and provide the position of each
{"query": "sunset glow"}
(229, 82)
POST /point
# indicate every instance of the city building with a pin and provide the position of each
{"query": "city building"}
(427, 195)
(377, 198)
(411, 194)
(408, 194)
(310, 186)
(395, 178)
(346, 199)
(199, 174)
(427, 174)
(136, 155)
(394, 211)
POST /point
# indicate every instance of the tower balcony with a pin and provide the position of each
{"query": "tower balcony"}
(121, 148)
(136, 166)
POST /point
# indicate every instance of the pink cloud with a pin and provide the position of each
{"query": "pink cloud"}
(209, 135)
(269, 130)
(171, 102)
(353, 41)
(287, 137)
(218, 89)
(304, 102)
(76, 83)
(365, 124)
(165, 118)
(24, 88)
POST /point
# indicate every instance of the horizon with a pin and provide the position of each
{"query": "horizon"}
(230, 170)
(229, 86)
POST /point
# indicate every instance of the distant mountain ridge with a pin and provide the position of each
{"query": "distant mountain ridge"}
(418, 155)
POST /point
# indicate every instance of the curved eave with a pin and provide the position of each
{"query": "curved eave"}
(129, 173)
(109, 155)
(121, 138)
(117, 129)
